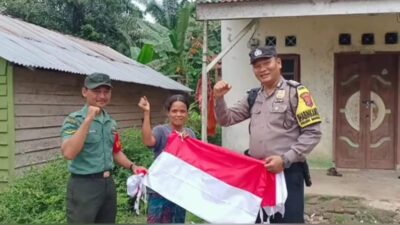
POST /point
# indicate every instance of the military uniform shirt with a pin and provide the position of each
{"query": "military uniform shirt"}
(274, 129)
(97, 153)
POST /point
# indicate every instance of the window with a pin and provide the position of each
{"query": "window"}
(290, 66)
(290, 41)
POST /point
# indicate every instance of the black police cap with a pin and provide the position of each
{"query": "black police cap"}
(261, 53)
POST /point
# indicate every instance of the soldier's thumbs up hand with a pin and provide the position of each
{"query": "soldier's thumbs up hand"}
(221, 88)
(92, 112)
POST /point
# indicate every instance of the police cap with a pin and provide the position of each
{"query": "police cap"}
(261, 53)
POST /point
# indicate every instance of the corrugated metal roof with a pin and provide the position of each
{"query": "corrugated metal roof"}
(30, 45)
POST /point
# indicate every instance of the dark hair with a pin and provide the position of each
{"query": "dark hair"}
(176, 98)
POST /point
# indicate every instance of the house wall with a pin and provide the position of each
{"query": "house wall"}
(44, 98)
(317, 42)
(7, 134)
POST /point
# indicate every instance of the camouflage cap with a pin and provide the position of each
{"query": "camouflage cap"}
(95, 80)
(262, 52)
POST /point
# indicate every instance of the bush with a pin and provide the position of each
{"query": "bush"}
(39, 197)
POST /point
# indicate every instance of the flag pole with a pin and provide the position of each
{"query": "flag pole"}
(204, 85)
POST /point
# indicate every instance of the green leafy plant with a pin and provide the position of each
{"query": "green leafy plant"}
(39, 196)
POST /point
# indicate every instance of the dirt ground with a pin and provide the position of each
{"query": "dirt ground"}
(358, 196)
(346, 210)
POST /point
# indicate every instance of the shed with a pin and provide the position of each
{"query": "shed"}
(41, 76)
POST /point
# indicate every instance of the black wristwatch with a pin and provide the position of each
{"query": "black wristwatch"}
(131, 166)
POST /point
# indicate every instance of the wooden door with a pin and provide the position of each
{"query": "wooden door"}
(365, 87)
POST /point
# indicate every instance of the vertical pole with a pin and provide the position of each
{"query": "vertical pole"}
(204, 85)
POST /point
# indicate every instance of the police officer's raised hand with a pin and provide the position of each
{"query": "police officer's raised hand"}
(144, 104)
(274, 164)
(92, 112)
(221, 88)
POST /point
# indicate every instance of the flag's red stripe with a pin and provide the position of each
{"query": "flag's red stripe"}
(230, 167)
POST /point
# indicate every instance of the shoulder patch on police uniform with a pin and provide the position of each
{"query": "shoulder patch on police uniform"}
(307, 112)
(293, 83)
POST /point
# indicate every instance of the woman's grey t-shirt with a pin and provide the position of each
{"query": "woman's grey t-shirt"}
(161, 133)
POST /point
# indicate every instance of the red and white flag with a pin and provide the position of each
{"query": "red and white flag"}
(214, 183)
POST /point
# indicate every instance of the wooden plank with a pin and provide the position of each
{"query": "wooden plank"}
(3, 89)
(24, 87)
(3, 79)
(129, 123)
(112, 108)
(3, 126)
(3, 102)
(127, 116)
(24, 147)
(46, 110)
(3, 66)
(43, 99)
(38, 122)
(3, 114)
(3, 139)
(4, 174)
(4, 151)
(37, 133)
(21, 171)
(24, 160)
(46, 77)
(10, 119)
(4, 163)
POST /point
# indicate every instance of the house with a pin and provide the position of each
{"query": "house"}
(347, 52)
(41, 76)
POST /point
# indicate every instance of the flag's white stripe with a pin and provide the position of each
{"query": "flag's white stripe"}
(201, 193)
(281, 195)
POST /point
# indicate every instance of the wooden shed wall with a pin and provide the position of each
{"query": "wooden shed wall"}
(44, 98)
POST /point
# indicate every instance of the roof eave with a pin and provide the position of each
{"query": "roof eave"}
(287, 8)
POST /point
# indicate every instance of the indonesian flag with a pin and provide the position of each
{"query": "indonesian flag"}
(214, 183)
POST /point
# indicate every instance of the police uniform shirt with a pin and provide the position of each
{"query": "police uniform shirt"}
(274, 129)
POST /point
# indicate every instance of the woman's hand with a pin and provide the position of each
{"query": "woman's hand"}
(144, 104)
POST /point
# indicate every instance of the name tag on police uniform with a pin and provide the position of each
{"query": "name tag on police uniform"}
(280, 94)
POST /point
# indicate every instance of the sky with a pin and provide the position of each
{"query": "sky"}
(141, 6)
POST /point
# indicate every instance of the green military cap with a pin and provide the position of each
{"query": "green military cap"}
(95, 80)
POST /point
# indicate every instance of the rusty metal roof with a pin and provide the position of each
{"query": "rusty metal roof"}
(30, 45)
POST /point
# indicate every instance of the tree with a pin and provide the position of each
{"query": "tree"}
(95, 20)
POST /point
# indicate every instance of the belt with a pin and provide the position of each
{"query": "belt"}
(104, 174)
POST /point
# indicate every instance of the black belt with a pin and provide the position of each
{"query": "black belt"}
(92, 175)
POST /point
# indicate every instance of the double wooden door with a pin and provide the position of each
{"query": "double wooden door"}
(365, 89)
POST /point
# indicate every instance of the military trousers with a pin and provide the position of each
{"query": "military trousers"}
(91, 200)
(294, 205)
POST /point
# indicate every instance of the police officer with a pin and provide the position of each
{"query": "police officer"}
(284, 126)
(91, 142)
